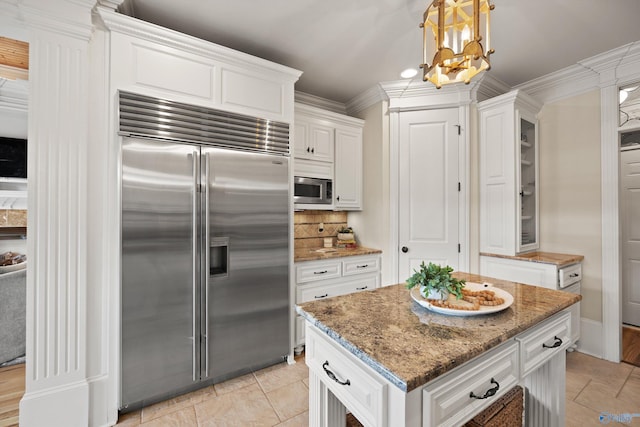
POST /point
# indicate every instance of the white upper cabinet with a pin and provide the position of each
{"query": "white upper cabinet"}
(329, 145)
(313, 140)
(509, 190)
(348, 169)
(159, 62)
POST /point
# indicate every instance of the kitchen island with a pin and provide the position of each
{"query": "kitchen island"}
(394, 363)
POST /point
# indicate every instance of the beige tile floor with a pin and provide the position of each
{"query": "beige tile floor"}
(277, 396)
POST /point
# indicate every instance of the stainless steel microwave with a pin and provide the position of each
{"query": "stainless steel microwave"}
(312, 191)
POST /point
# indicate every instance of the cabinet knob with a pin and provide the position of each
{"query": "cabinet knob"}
(338, 198)
(405, 249)
(313, 150)
(308, 150)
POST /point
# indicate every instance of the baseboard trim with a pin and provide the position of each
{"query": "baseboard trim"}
(63, 406)
(590, 341)
(102, 415)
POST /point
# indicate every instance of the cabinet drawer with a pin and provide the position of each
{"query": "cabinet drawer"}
(540, 344)
(447, 400)
(363, 393)
(318, 271)
(315, 292)
(360, 266)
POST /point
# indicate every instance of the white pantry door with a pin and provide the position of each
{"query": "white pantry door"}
(429, 193)
(630, 219)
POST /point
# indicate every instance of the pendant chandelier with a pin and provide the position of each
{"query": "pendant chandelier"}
(454, 30)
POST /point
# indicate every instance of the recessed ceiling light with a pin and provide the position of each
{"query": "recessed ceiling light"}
(408, 73)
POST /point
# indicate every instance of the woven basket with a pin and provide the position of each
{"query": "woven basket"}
(506, 411)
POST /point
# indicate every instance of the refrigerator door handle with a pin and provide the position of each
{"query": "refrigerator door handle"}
(194, 218)
(207, 245)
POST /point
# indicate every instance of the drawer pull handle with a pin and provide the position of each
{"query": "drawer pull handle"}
(362, 266)
(321, 272)
(488, 393)
(321, 296)
(556, 343)
(332, 375)
(362, 288)
(574, 275)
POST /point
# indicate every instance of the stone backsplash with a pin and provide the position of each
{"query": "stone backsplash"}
(13, 218)
(306, 228)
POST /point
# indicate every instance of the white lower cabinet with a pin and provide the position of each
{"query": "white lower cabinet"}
(454, 398)
(542, 274)
(360, 390)
(541, 344)
(341, 381)
(329, 278)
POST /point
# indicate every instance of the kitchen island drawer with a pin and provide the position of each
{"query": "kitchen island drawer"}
(360, 265)
(458, 396)
(316, 292)
(310, 272)
(360, 391)
(546, 340)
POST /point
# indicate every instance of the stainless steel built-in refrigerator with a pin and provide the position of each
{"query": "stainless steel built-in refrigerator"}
(205, 249)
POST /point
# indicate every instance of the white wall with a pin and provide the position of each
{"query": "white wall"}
(570, 195)
(373, 220)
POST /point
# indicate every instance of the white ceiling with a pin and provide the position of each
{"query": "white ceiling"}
(345, 47)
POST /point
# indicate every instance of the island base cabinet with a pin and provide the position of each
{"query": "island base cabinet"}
(344, 380)
(340, 381)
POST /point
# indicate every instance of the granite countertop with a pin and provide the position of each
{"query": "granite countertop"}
(561, 260)
(410, 345)
(314, 254)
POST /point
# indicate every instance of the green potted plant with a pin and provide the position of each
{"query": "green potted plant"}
(436, 282)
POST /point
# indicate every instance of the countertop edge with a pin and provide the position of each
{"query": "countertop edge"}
(354, 350)
(311, 255)
(529, 257)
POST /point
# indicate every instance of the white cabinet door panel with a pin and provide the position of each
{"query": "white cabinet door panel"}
(348, 168)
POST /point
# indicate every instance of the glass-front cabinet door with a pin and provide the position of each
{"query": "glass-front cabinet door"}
(528, 183)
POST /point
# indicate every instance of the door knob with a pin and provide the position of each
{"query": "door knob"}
(405, 249)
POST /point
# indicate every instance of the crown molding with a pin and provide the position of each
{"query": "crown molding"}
(517, 95)
(611, 67)
(117, 5)
(417, 95)
(565, 83)
(489, 87)
(323, 114)
(319, 102)
(366, 99)
(142, 30)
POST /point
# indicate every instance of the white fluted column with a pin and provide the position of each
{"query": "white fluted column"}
(57, 392)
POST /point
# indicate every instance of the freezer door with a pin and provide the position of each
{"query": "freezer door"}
(246, 255)
(159, 269)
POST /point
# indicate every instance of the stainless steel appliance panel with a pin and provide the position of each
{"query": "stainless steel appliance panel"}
(246, 255)
(159, 269)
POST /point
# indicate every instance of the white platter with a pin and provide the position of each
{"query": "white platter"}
(12, 267)
(472, 286)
